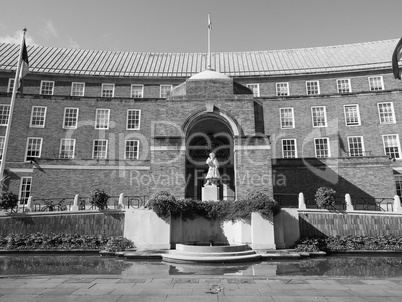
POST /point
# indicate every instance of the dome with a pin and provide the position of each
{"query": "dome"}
(209, 74)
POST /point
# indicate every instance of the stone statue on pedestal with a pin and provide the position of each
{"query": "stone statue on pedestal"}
(213, 175)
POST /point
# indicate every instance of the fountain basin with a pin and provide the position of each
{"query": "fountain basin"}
(211, 254)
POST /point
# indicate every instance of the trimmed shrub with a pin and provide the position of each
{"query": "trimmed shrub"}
(325, 197)
(8, 200)
(99, 198)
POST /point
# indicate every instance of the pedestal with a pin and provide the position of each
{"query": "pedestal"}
(210, 193)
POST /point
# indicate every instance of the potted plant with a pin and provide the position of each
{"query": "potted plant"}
(8, 200)
(99, 198)
(325, 197)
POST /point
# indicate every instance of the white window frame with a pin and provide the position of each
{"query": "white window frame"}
(104, 90)
(393, 113)
(65, 116)
(164, 92)
(8, 115)
(125, 149)
(32, 117)
(358, 114)
(74, 91)
(139, 119)
(255, 88)
(61, 146)
(93, 148)
(283, 150)
(381, 80)
(24, 199)
(142, 91)
(40, 147)
(398, 145)
(349, 138)
(282, 85)
(42, 84)
(328, 147)
(282, 121)
(10, 86)
(325, 117)
(318, 88)
(339, 85)
(97, 119)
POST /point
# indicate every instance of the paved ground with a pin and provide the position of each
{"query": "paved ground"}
(195, 288)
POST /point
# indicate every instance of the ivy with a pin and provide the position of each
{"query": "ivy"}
(166, 205)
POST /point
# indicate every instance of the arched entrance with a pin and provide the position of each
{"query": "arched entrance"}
(209, 132)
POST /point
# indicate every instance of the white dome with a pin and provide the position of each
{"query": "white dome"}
(209, 74)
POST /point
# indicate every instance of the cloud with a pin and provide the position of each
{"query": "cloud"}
(72, 43)
(16, 39)
(49, 30)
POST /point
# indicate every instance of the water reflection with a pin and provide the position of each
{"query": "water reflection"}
(332, 266)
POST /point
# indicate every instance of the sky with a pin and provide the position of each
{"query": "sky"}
(181, 25)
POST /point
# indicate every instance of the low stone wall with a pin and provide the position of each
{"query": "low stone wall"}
(356, 223)
(108, 223)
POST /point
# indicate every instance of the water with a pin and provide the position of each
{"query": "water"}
(331, 266)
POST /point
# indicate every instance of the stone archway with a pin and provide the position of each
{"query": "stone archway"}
(209, 132)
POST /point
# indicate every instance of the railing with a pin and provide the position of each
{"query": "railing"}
(287, 200)
(359, 153)
(339, 205)
(384, 204)
(136, 201)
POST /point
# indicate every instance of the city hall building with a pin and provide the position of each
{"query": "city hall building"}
(284, 121)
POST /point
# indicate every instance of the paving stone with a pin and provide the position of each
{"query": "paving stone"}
(299, 299)
(17, 298)
(132, 281)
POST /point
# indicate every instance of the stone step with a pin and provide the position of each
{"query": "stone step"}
(209, 259)
(211, 254)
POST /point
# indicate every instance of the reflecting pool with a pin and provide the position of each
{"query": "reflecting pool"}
(351, 265)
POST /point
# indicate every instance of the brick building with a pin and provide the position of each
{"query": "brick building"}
(286, 121)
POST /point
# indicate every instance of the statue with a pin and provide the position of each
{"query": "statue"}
(213, 175)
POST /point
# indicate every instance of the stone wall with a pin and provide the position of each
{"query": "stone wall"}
(85, 223)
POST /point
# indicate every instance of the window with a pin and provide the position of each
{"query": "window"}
(102, 119)
(312, 87)
(2, 139)
(392, 147)
(67, 148)
(386, 113)
(4, 113)
(356, 146)
(77, 89)
(319, 116)
(10, 86)
(46, 87)
(398, 182)
(25, 189)
(352, 115)
(322, 147)
(131, 149)
(164, 90)
(376, 83)
(137, 91)
(133, 119)
(255, 88)
(38, 117)
(99, 149)
(34, 147)
(287, 118)
(289, 148)
(282, 89)
(107, 90)
(70, 119)
(343, 86)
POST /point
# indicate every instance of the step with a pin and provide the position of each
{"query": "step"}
(209, 259)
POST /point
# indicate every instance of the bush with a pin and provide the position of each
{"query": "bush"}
(164, 205)
(325, 197)
(8, 200)
(62, 241)
(99, 198)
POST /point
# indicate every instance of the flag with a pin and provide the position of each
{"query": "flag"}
(24, 61)
(209, 22)
(396, 56)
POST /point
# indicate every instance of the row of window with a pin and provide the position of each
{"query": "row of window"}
(386, 115)
(391, 146)
(70, 118)
(67, 148)
(137, 90)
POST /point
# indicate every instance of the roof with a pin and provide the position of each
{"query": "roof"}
(328, 59)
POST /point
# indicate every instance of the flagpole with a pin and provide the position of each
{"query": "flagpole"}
(10, 114)
(209, 42)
